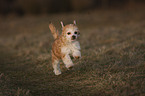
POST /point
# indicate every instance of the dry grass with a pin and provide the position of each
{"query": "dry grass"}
(113, 56)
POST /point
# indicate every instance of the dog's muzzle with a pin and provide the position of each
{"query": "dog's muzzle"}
(73, 37)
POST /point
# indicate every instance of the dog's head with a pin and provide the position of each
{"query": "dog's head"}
(70, 31)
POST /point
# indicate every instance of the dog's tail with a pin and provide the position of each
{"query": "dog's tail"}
(53, 31)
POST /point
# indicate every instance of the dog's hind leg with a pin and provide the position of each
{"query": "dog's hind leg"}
(56, 65)
(68, 62)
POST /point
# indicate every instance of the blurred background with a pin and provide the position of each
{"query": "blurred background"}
(24, 7)
(112, 41)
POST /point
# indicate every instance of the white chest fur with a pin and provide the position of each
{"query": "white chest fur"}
(71, 48)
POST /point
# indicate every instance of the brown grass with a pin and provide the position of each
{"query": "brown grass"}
(113, 56)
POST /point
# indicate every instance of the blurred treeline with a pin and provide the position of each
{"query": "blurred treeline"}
(21, 7)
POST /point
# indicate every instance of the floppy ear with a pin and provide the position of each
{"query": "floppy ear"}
(74, 22)
(61, 24)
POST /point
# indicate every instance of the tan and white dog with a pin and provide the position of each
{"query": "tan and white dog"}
(65, 45)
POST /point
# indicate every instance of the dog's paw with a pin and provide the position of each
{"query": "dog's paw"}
(57, 72)
(77, 57)
(69, 66)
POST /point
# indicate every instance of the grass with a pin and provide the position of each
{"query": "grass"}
(112, 64)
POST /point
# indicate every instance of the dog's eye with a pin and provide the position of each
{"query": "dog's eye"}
(68, 33)
(76, 32)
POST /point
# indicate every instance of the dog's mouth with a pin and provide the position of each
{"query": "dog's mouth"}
(73, 38)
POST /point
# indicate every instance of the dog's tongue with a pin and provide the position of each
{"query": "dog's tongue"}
(73, 39)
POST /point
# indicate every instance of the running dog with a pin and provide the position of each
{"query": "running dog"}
(65, 44)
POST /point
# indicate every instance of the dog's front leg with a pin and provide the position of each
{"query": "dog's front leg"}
(76, 54)
(67, 61)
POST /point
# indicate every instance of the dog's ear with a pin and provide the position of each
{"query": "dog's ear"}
(74, 22)
(61, 24)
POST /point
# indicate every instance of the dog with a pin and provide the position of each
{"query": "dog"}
(64, 45)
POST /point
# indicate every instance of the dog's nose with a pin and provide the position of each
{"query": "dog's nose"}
(73, 37)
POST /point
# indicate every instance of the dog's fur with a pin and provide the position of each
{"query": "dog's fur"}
(65, 45)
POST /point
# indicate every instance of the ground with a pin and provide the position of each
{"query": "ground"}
(112, 63)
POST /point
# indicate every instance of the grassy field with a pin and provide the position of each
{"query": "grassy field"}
(112, 63)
